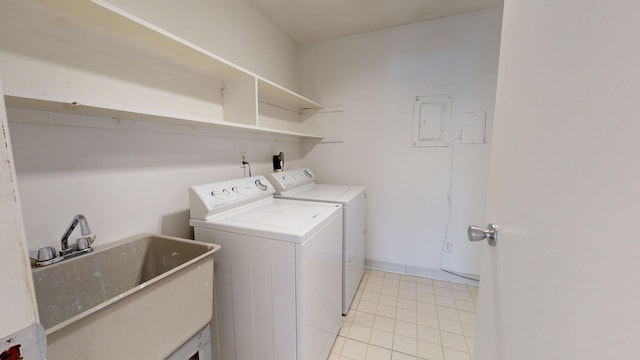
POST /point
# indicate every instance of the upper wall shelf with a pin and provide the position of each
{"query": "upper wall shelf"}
(105, 58)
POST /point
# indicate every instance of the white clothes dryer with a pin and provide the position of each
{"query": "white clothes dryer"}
(300, 184)
(278, 273)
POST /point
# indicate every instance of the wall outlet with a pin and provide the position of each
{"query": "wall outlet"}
(448, 246)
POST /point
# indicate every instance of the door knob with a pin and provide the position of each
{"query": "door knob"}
(475, 233)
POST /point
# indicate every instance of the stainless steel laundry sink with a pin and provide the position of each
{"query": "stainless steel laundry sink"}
(140, 297)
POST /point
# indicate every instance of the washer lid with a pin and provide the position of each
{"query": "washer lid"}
(278, 219)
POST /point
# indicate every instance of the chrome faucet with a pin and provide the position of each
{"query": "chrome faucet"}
(83, 243)
(47, 255)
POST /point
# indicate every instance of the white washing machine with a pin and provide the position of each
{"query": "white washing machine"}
(278, 273)
(300, 184)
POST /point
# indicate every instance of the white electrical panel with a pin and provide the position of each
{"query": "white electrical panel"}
(474, 126)
(432, 120)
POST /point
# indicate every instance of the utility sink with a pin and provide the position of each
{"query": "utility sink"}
(138, 298)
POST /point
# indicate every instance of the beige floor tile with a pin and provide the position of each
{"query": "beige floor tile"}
(465, 305)
(427, 350)
(427, 308)
(370, 296)
(338, 344)
(475, 298)
(363, 318)
(406, 329)
(457, 286)
(407, 304)
(400, 356)
(377, 273)
(445, 301)
(360, 333)
(384, 323)
(381, 338)
(404, 317)
(429, 335)
(467, 317)
(453, 341)
(451, 326)
(378, 353)
(470, 344)
(426, 298)
(391, 282)
(462, 295)
(390, 290)
(350, 314)
(427, 320)
(468, 330)
(440, 283)
(425, 288)
(421, 280)
(392, 275)
(354, 305)
(367, 306)
(355, 350)
(407, 315)
(447, 312)
(390, 300)
(409, 285)
(405, 345)
(407, 277)
(344, 329)
(373, 287)
(443, 292)
(407, 294)
(385, 310)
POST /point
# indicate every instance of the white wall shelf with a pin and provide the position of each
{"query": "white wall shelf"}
(122, 117)
(57, 53)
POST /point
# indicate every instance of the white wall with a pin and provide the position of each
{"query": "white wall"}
(375, 77)
(124, 182)
(128, 182)
(233, 29)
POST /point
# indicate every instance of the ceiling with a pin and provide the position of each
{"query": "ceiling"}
(308, 21)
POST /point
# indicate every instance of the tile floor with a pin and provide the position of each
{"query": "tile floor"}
(402, 317)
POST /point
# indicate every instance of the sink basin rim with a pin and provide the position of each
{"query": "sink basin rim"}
(97, 250)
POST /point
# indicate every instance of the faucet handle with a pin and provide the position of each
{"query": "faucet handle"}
(85, 242)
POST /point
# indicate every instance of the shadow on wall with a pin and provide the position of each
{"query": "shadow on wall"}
(177, 224)
(58, 149)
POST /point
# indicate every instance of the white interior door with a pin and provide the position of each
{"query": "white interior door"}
(17, 299)
(563, 281)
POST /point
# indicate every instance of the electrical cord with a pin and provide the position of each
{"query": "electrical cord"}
(247, 163)
(450, 213)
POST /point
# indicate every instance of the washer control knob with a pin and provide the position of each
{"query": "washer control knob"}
(226, 192)
(260, 185)
(308, 173)
(234, 189)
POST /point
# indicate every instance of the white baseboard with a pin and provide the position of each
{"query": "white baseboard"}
(435, 274)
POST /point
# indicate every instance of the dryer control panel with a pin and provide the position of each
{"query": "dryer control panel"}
(291, 179)
(208, 199)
